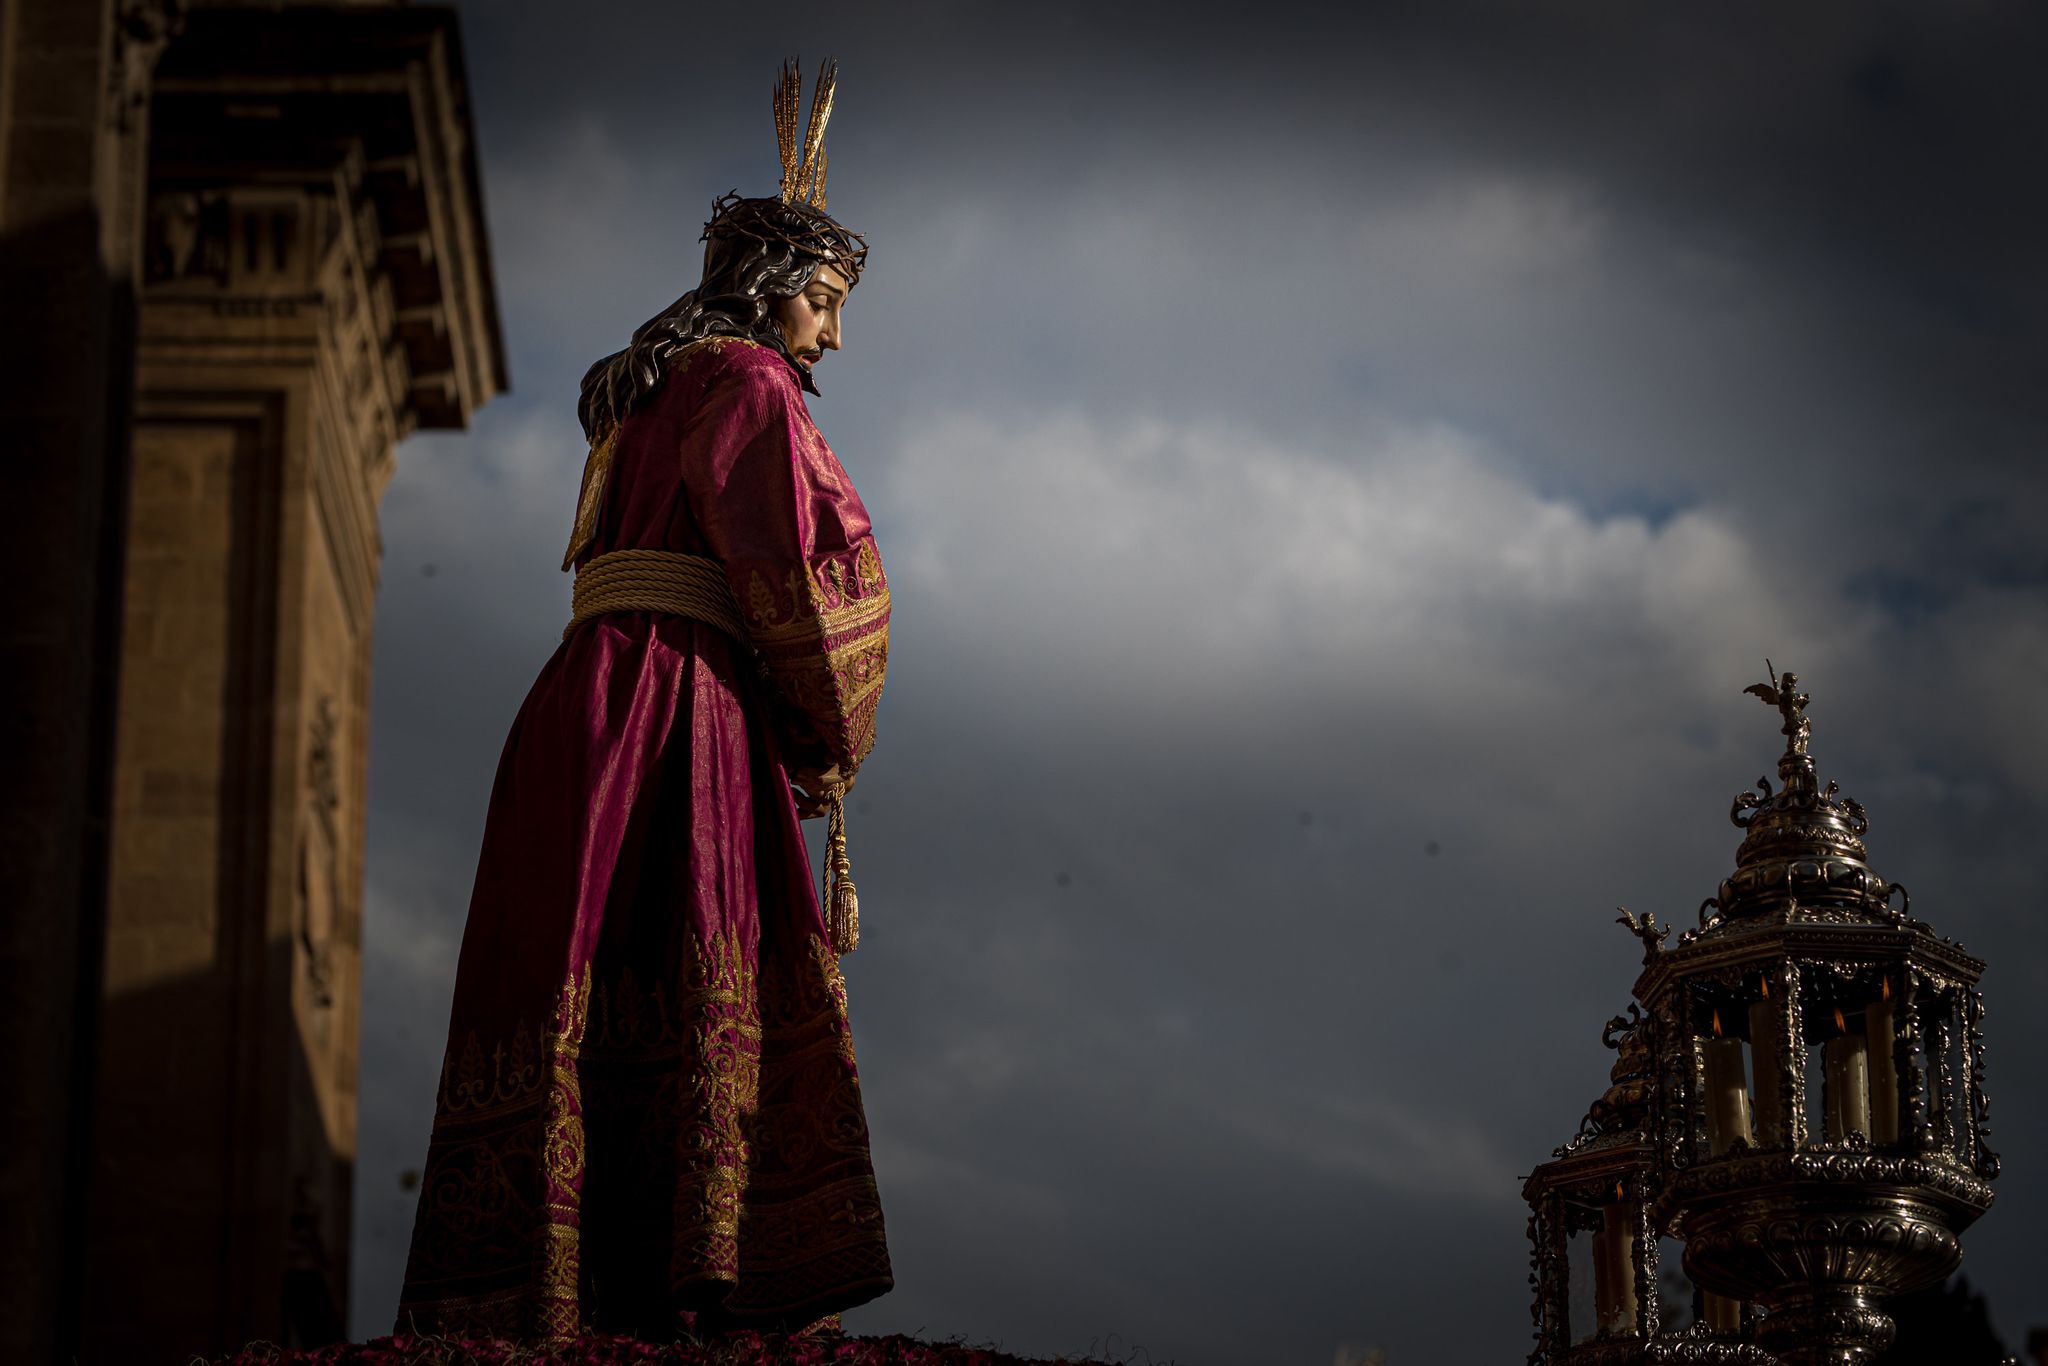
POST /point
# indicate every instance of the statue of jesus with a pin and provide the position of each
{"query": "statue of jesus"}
(649, 1118)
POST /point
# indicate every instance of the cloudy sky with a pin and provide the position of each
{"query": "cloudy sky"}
(1336, 476)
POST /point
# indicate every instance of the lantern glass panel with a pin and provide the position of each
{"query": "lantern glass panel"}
(1725, 1104)
(1949, 1096)
(1880, 1027)
(1675, 1291)
(1585, 1321)
(1815, 1060)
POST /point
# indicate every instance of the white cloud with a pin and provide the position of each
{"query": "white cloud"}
(1485, 227)
(1166, 571)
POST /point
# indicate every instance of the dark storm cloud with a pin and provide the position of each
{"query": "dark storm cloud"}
(1335, 478)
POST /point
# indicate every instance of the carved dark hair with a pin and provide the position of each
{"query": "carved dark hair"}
(756, 251)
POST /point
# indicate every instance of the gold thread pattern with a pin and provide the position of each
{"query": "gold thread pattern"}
(498, 1199)
(824, 636)
(738, 1093)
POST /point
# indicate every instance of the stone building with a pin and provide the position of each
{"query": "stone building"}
(242, 256)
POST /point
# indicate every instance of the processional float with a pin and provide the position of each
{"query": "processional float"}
(1797, 1101)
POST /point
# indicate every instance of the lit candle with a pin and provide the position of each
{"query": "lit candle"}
(1727, 1092)
(1723, 1315)
(1848, 1064)
(1881, 1029)
(1763, 1065)
(1614, 1269)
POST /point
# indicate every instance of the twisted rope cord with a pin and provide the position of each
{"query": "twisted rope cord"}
(655, 581)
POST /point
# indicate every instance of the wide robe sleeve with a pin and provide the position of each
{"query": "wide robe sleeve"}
(777, 509)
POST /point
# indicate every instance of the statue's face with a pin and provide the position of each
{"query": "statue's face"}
(809, 319)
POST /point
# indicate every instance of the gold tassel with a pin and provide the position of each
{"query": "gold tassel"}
(842, 905)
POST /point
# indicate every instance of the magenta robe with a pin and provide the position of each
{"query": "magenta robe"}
(649, 1115)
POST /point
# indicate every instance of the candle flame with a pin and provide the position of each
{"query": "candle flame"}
(1887, 990)
(1841, 1025)
(1717, 1022)
(1767, 987)
(1617, 1190)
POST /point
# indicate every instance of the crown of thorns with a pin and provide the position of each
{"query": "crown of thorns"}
(808, 230)
(796, 217)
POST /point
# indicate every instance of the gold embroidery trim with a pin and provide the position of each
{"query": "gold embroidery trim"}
(516, 1073)
(830, 650)
(821, 603)
(779, 1233)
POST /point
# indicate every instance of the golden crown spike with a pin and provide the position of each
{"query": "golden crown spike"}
(803, 169)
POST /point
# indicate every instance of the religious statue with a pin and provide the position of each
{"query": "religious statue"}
(649, 1117)
(1783, 693)
(1645, 928)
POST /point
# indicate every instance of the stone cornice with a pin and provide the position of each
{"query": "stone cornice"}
(367, 107)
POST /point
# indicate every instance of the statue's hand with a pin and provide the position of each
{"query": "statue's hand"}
(814, 789)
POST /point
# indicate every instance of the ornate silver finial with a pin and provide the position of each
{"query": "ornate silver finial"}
(1803, 855)
(1795, 765)
(1625, 1106)
(1783, 693)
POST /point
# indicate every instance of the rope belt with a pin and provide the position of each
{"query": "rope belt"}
(655, 581)
(694, 587)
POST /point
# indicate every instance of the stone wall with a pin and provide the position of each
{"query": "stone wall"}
(268, 268)
(72, 134)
